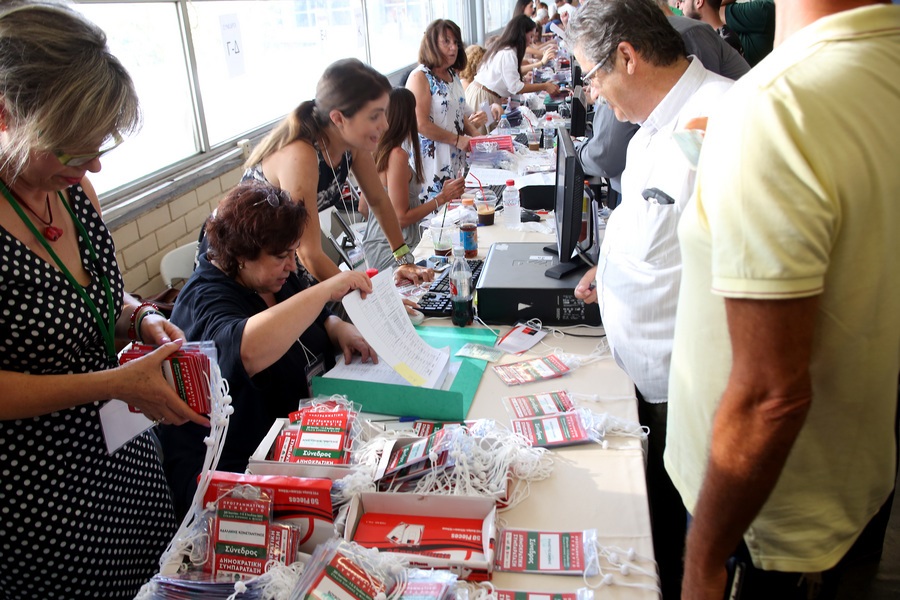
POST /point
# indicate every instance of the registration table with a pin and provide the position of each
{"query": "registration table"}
(591, 487)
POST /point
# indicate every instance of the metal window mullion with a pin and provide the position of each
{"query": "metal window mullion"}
(365, 26)
(477, 14)
(201, 133)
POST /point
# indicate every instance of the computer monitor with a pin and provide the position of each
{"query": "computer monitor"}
(568, 209)
(578, 123)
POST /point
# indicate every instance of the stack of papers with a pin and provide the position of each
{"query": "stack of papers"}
(382, 320)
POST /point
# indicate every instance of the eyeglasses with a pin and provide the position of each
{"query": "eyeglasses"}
(272, 197)
(586, 80)
(77, 160)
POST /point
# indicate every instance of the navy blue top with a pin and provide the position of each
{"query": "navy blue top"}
(213, 306)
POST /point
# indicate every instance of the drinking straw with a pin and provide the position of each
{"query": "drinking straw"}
(443, 219)
(480, 187)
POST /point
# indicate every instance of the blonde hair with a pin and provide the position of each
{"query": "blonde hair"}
(60, 86)
(474, 54)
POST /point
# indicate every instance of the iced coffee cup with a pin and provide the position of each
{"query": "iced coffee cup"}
(485, 210)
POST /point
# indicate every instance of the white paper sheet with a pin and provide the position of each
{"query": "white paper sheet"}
(383, 322)
(489, 176)
(381, 372)
(357, 370)
(120, 425)
(486, 109)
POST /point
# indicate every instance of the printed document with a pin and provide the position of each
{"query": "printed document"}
(382, 320)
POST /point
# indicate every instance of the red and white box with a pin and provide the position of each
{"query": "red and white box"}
(261, 464)
(417, 526)
(299, 501)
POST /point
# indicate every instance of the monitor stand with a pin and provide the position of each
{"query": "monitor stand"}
(561, 269)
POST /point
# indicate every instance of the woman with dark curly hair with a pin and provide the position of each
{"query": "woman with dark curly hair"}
(272, 332)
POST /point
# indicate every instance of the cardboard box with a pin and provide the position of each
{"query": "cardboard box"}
(299, 501)
(434, 505)
(259, 464)
(423, 403)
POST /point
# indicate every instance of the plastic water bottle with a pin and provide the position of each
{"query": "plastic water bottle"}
(503, 127)
(461, 290)
(512, 211)
(549, 134)
(468, 227)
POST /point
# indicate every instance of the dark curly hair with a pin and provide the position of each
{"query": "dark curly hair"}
(251, 219)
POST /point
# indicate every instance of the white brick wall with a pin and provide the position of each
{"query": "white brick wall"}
(141, 244)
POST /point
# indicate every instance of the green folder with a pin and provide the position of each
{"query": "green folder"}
(423, 403)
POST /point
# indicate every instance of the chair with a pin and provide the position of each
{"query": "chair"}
(178, 264)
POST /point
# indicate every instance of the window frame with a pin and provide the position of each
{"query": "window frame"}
(128, 201)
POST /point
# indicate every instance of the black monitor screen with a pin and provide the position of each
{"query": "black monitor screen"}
(579, 113)
(568, 207)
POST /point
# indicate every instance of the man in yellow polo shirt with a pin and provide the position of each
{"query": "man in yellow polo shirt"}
(783, 388)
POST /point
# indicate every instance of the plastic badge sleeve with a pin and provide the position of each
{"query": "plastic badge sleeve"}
(538, 405)
(527, 371)
(554, 430)
(558, 552)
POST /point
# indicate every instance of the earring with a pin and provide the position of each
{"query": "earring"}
(241, 266)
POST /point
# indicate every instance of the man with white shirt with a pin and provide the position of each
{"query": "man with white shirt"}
(635, 61)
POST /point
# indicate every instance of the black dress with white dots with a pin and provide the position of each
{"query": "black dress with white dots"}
(75, 522)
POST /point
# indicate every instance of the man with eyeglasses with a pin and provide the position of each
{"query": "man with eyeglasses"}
(636, 62)
(603, 154)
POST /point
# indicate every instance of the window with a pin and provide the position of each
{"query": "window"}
(155, 58)
(272, 64)
(497, 14)
(209, 72)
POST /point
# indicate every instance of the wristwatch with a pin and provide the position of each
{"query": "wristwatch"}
(403, 256)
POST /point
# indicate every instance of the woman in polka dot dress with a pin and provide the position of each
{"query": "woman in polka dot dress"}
(75, 522)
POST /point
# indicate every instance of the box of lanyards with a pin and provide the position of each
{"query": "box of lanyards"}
(186, 370)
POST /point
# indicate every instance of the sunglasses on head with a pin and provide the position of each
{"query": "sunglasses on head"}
(273, 197)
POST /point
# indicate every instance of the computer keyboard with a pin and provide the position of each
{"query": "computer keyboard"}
(441, 281)
(436, 301)
(433, 304)
(498, 191)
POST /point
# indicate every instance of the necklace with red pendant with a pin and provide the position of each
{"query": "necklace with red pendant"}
(51, 232)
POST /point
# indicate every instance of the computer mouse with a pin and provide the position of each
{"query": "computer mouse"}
(415, 316)
(529, 215)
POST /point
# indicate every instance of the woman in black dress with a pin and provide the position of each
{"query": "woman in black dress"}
(76, 522)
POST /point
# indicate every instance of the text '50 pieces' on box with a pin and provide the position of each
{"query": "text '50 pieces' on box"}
(299, 501)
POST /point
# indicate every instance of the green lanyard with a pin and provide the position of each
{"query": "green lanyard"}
(108, 327)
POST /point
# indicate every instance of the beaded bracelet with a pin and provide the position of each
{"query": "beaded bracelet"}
(134, 327)
(143, 316)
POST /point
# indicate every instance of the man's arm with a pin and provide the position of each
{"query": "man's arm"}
(762, 410)
(603, 155)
